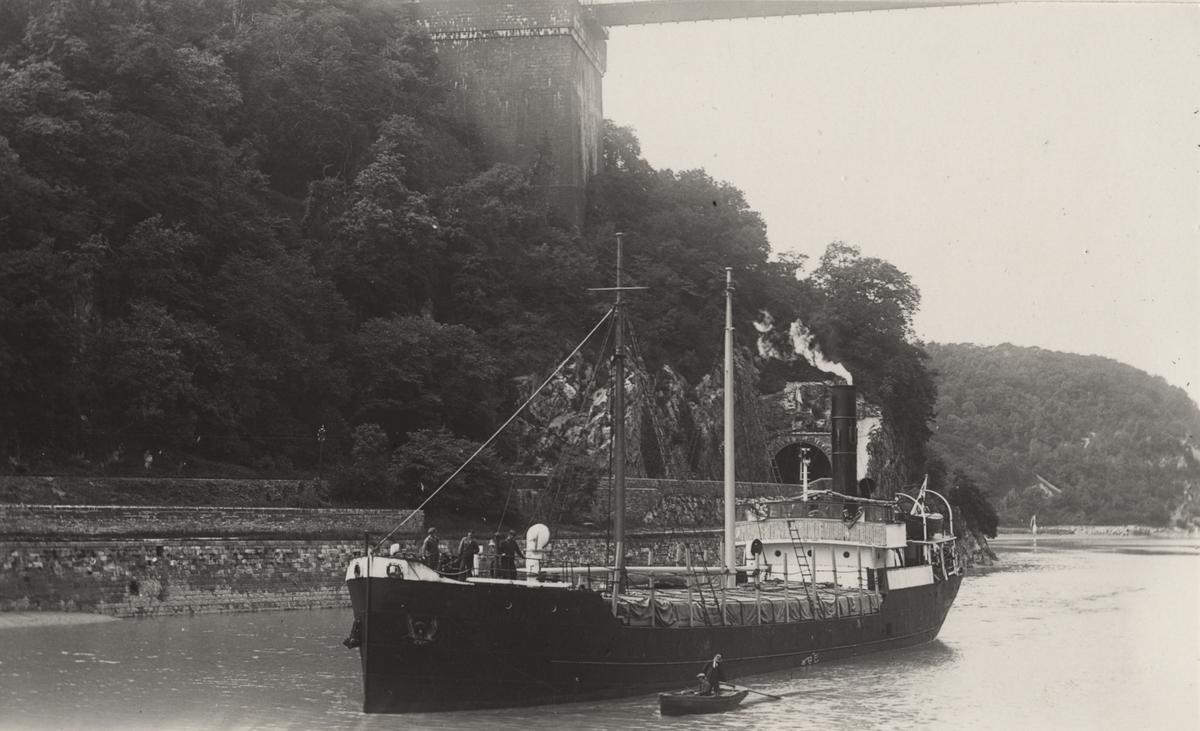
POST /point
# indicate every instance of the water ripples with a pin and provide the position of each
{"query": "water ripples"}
(1054, 638)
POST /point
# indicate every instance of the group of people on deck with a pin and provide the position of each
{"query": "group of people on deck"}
(502, 552)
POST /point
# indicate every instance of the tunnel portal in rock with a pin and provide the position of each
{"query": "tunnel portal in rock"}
(787, 462)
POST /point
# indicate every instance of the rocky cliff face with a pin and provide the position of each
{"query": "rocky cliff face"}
(673, 429)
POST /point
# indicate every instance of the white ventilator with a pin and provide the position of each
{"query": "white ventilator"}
(537, 538)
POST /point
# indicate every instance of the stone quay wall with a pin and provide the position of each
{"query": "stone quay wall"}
(130, 561)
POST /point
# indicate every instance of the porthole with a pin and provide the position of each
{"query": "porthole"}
(809, 552)
(778, 554)
(845, 554)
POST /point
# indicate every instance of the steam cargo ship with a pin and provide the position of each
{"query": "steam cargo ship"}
(823, 575)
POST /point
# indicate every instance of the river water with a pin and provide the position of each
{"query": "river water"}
(1070, 634)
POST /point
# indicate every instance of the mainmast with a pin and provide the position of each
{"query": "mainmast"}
(730, 490)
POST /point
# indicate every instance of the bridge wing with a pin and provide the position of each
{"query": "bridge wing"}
(645, 12)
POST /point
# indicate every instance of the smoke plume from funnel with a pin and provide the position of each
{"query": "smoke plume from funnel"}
(766, 348)
(805, 346)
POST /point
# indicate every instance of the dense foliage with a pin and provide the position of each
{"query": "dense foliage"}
(972, 509)
(1120, 445)
(225, 224)
(865, 321)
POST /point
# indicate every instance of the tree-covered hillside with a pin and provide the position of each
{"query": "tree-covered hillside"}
(1121, 445)
(226, 224)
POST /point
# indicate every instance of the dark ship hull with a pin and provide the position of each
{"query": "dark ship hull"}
(436, 646)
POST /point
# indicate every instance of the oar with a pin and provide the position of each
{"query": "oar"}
(772, 697)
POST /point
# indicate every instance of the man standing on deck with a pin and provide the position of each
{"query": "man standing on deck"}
(509, 550)
(493, 557)
(467, 548)
(430, 551)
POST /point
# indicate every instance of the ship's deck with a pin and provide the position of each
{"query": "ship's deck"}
(772, 603)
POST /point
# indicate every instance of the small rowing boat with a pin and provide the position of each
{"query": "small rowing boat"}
(687, 702)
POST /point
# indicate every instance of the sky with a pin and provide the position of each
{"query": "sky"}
(1034, 167)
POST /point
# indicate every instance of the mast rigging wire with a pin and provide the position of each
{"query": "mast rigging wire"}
(559, 472)
(503, 426)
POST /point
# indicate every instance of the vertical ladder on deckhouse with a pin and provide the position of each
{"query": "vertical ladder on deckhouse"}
(802, 562)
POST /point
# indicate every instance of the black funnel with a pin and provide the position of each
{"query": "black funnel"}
(845, 441)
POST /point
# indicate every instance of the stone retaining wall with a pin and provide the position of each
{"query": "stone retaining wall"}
(651, 502)
(145, 561)
(156, 577)
(94, 521)
(130, 561)
(157, 489)
(143, 577)
(663, 549)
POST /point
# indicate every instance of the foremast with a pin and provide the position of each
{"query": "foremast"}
(618, 428)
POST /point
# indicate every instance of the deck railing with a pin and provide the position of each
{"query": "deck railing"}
(816, 530)
(872, 513)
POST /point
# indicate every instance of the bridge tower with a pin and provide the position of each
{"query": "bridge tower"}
(525, 75)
